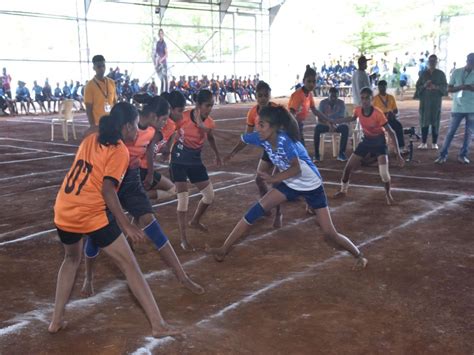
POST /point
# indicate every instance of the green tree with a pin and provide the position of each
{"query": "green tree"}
(368, 39)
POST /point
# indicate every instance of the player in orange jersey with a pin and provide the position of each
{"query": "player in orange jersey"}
(192, 130)
(87, 204)
(374, 125)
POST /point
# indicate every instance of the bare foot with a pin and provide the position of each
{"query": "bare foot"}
(165, 330)
(87, 289)
(55, 327)
(360, 264)
(199, 226)
(217, 253)
(340, 194)
(192, 286)
(186, 246)
(278, 221)
(390, 200)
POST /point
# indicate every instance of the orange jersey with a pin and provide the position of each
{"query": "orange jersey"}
(372, 125)
(80, 206)
(301, 104)
(137, 149)
(167, 131)
(252, 115)
(189, 134)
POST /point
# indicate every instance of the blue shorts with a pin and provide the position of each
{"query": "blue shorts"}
(195, 173)
(374, 146)
(156, 177)
(314, 198)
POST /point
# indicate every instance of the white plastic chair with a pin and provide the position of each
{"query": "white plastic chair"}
(66, 117)
(329, 137)
(355, 127)
(230, 98)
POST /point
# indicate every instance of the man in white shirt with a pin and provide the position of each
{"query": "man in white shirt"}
(360, 79)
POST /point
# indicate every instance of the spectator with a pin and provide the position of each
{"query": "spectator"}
(39, 98)
(160, 60)
(461, 84)
(387, 104)
(48, 95)
(333, 108)
(99, 94)
(360, 80)
(430, 88)
(66, 91)
(23, 96)
(76, 95)
(6, 80)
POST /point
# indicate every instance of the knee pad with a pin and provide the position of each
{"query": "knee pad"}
(207, 194)
(156, 235)
(90, 249)
(383, 171)
(183, 201)
(254, 213)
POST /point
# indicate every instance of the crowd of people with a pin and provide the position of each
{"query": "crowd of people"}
(114, 164)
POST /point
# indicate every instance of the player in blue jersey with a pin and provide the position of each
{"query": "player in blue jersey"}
(297, 176)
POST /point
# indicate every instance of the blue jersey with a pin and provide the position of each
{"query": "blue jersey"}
(287, 150)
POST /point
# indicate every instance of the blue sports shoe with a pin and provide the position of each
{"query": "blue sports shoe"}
(341, 157)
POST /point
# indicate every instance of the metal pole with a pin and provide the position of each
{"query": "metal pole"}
(233, 39)
(79, 42)
(255, 34)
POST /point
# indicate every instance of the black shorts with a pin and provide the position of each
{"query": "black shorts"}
(102, 237)
(403, 83)
(315, 199)
(195, 173)
(265, 157)
(132, 195)
(374, 146)
(156, 177)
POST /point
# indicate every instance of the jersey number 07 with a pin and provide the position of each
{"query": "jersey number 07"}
(81, 167)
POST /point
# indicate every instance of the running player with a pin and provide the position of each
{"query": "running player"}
(297, 177)
(265, 165)
(87, 204)
(301, 101)
(374, 125)
(134, 199)
(186, 162)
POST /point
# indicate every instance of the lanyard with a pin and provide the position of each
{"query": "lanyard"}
(106, 94)
(385, 102)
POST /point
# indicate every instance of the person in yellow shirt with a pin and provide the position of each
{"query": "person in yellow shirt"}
(387, 104)
(99, 93)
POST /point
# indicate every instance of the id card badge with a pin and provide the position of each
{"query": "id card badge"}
(107, 107)
(459, 96)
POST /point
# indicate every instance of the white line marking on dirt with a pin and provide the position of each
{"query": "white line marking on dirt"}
(35, 159)
(32, 174)
(150, 344)
(33, 149)
(40, 142)
(297, 275)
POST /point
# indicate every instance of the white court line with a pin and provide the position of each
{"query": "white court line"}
(43, 158)
(33, 149)
(22, 153)
(231, 119)
(42, 142)
(301, 274)
(150, 344)
(42, 233)
(29, 191)
(397, 175)
(32, 174)
(116, 286)
(42, 122)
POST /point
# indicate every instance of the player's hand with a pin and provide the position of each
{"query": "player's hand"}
(269, 179)
(148, 181)
(134, 233)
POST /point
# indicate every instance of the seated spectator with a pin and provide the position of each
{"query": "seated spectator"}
(39, 98)
(333, 108)
(48, 95)
(23, 96)
(387, 104)
(76, 95)
(66, 91)
(6, 104)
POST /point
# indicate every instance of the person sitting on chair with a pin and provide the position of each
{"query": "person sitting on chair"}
(334, 108)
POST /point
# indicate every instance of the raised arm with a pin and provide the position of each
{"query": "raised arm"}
(239, 146)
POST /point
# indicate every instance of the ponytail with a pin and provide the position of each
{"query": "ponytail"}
(110, 126)
(152, 104)
(175, 99)
(281, 118)
(310, 72)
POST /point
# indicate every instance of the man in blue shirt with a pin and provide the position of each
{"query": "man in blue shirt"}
(334, 108)
(66, 91)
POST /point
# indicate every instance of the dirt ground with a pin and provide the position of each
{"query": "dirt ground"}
(285, 291)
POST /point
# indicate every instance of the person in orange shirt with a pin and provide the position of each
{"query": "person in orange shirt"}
(87, 204)
(133, 197)
(387, 104)
(374, 124)
(99, 93)
(302, 101)
(192, 130)
(265, 165)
